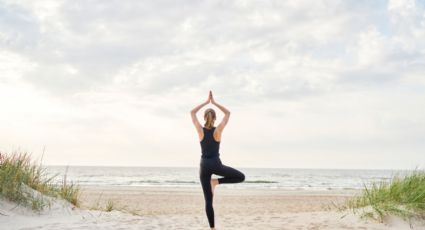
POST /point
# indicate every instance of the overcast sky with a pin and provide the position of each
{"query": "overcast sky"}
(310, 84)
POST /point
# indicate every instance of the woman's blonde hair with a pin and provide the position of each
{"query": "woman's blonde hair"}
(209, 116)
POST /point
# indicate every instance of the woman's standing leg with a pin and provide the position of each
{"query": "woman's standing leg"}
(205, 177)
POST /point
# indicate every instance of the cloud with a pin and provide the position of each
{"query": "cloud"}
(199, 40)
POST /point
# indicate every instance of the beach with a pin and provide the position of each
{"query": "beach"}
(183, 208)
(118, 115)
(238, 209)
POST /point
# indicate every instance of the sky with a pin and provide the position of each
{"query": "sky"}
(310, 84)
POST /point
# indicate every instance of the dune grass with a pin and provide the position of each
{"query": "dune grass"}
(110, 206)
(18, 171)
(403, 196)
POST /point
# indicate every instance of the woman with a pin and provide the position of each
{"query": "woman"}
(210, 138)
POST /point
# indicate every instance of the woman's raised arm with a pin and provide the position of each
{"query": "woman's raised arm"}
(193, 112)
(226, 117)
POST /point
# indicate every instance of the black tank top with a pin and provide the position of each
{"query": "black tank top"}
(209, 145)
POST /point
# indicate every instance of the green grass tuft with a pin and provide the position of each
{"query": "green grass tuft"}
(110, 206)
(69, 191)
(403, 196)
(17, 171)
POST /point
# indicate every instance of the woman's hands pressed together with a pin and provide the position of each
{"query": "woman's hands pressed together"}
(212, 100)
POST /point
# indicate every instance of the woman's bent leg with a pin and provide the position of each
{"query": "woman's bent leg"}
(206, 187)
(229, 175)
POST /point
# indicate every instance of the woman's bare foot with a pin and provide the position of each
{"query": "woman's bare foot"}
(214, 182)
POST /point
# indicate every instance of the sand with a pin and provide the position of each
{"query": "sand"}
(183, 208)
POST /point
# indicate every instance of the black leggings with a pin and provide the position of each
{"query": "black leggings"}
(214, 166)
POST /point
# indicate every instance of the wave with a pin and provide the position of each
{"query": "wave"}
(181, 182)
(261, 181)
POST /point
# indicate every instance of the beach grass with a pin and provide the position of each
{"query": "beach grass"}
(403, 196)
(110, 205)
(18, 172)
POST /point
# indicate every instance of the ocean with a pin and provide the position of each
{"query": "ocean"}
(256, 178)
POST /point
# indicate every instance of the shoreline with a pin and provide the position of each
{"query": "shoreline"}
(222, 190)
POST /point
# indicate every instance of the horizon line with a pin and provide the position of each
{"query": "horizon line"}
(296, 168)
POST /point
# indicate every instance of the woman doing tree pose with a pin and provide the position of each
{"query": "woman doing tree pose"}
(210, 138)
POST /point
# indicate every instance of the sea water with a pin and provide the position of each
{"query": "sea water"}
(270, 178)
